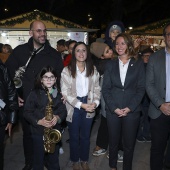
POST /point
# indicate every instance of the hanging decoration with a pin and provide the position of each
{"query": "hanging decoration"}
(150, 28)
(41, 16)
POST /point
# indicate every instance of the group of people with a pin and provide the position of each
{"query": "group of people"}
(75, 86)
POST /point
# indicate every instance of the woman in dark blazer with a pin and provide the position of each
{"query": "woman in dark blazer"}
(123, 89)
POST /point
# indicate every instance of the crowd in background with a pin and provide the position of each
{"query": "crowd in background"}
(116, 78)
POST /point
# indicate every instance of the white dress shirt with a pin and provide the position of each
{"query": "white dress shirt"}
(82, 84)
(123, 70)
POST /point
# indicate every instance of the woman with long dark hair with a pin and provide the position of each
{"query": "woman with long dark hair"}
(80, 87)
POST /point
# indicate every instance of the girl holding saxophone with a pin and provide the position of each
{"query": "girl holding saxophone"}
(44, 110)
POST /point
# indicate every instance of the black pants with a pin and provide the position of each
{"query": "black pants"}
(127, 128)
(160, 130)
(2, 137)
(103, 135)
(27, 139)
(167, 157)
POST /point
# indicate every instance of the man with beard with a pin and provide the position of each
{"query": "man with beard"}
(158, 89)
(42, 54)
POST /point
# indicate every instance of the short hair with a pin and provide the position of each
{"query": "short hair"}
(147, 50)
(71, 41)
(164, 29)
(61, 42)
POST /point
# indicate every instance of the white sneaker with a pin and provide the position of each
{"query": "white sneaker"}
(99, 152)
(120, 158)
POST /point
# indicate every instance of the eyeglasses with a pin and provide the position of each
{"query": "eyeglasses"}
(167, 35)
(39, 31)
(52, 78)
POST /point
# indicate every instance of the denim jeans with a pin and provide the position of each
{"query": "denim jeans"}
(51, 160)
(79, 131)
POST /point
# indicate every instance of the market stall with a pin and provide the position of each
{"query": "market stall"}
(15, 31)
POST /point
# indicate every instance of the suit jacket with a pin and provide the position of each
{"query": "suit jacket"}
(156, 82)
(129, 95)
(68, 89)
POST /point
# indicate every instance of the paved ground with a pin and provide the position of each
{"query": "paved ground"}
(14, 158)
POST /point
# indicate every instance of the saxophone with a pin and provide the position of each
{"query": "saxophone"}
(51, 136)
(21, 70)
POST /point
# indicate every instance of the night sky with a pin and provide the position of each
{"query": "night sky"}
(131, 12)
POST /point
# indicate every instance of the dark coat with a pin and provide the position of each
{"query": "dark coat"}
(156, 82)
(130, 95)
(21, 54)
(34, 109)
(8, 95)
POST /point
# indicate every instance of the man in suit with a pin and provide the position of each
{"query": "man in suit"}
(158, 89)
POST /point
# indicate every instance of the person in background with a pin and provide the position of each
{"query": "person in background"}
(123, 89)
(6, 51)
(36, 114)
(113, 29)
(7, 48)
(44, 55)
(158, 90)
(8, 107)
(81, 90)
(144, 127)
(1, 45)
(61, 47)
(67, 58)
(102, 54)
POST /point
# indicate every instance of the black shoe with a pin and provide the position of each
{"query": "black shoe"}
(27, 167)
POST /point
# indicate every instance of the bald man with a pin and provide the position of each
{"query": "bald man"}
(42, 54)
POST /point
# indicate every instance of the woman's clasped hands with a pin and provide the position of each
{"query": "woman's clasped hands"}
(122, 112)
(89, 107)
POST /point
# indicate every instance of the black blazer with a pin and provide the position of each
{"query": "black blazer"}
(130, 95)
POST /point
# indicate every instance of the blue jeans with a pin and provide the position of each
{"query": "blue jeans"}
(79, 131)
(40, 157)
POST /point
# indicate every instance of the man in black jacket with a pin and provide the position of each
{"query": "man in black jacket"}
(44, 55)
(8, 107)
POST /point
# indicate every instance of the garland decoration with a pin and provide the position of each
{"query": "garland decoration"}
(36, 14)
(150, 28)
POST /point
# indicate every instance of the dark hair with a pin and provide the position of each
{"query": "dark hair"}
(147, 50)
(164, 29)
(89, 62)
(9, 48)
(61, 42)
(1, 45)
(44, 70)
(71, 41)
(129, 42)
